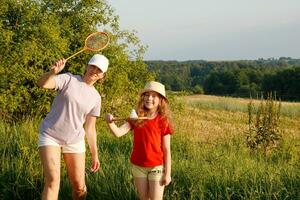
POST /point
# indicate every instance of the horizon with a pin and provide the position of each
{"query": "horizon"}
(265, 59)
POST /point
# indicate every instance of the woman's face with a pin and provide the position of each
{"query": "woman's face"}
(151, 100)
(93, 73)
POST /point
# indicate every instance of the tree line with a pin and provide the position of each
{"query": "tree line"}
(242, 78)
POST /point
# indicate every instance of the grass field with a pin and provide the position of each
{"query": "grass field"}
(210, 157)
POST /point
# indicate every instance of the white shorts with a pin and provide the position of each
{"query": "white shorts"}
(78, 147)
(150, 173)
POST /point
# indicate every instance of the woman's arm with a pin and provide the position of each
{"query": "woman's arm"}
(47, 80)
(117, 131)
(166, 144)
(90, 128)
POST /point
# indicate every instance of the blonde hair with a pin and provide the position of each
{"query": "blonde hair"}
(163, 109)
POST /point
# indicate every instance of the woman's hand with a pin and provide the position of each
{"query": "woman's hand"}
(166, 179)
(58, 66)
(95, 164)
(47, 80)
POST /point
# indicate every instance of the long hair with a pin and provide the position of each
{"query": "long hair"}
(163, 110)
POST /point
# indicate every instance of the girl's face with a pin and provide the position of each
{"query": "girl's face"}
(151, 100)
(93, 73)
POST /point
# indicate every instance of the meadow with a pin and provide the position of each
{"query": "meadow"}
(210, 159)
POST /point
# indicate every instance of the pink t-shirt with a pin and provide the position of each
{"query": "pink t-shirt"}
(74, 101)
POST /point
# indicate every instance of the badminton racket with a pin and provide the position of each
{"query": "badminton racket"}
(94, 42)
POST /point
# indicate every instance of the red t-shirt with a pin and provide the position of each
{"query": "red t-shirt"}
(147, 142)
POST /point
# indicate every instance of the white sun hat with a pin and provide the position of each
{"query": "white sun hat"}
(99, 61)
(156, 87)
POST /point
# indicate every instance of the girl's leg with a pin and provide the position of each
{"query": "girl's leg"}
(156, 190)
(50, 157)
(75, 163)
(142, 187)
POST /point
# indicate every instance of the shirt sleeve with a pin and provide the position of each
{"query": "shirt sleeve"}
(61, 81)
(96, 109)
(166, 128)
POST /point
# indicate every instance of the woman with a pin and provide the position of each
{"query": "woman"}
(73, 114)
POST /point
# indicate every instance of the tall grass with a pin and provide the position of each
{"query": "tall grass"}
(21, 175)
(209, 153)
(289, 109)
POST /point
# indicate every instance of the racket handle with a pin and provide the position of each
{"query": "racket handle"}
(75, 54)
(120, 119)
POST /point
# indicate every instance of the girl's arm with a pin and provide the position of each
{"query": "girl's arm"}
(47, 80)
(117, 131)
(90, 128)
(167, 159)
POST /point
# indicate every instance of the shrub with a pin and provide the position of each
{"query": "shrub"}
(198, 89)
(34, 34)
(264, 133)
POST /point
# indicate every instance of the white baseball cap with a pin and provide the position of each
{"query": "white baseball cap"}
(99, 61)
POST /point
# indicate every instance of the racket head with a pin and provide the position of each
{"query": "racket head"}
(96, 41)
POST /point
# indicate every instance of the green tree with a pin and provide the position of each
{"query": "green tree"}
(34, 34)
(285, 82)
(238, 78)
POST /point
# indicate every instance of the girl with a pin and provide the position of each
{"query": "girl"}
(151, 154)
(73, 113)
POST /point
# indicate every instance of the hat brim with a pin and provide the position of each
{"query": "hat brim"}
(150, 90)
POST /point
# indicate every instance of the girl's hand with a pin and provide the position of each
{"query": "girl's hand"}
(95, 164)
(109, 118)
(58, 66)
(166, 180)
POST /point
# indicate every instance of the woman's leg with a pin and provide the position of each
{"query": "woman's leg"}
(50, 157)
(142, 187)
(156, 190)
(75, 163)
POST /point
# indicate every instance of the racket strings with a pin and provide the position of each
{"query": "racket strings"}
(96, 42)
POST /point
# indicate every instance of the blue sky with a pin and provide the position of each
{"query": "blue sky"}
(213, 29)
